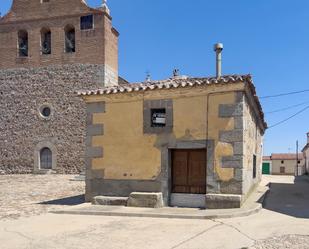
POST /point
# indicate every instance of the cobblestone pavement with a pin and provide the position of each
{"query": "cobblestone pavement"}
(282, 224)
(284, 242)
(29, 195)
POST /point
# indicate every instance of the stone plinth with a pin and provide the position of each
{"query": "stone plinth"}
(150, 200)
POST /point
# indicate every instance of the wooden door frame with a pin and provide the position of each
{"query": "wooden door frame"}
(212, 184)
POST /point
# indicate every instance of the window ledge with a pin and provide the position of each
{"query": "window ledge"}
(88, 32)
(21, 59)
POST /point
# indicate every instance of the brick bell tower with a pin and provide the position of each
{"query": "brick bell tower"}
(40, 33)
(50, 49)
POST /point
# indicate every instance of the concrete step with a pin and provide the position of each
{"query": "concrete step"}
(110, 201)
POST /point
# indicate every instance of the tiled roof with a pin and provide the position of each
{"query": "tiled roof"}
(177, 82)
(266, 158)
(286, 156)
(180, 82)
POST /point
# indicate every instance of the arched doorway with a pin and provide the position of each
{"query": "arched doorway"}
(46, 161)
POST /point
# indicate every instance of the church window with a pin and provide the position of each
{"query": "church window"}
(45, 111)
(45, 41)
(86, 22)
(69, 39)
(23, 43)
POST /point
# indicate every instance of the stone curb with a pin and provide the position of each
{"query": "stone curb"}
(242, 212)
(162, 215)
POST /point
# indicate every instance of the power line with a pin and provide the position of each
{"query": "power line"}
(287, 108)
(283, 121)
(284, 94)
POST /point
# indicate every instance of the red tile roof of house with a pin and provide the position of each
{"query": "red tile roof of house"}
(286, 156)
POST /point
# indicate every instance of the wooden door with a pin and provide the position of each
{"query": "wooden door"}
(189, 171)
(46, 158)
(266, 169)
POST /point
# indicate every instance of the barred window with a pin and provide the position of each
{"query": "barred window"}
(69, 39)
(46, 41)
(23, 43)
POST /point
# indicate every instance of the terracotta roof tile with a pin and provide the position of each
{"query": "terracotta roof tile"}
(169, 83)
(286, 156)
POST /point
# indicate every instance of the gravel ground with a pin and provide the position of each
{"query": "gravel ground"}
(30, 195)
(284, 242)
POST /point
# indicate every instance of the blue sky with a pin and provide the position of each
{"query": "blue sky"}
(267, 38)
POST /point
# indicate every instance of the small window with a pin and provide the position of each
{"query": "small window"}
(86, 22)
(254, 166)
(158, 117)
(69, 39)
(46, 41)
(45, 111)
(23, 43)
(298, 162)
(282, 162)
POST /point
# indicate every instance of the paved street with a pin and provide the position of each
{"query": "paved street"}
(29, 195)
(282, 224)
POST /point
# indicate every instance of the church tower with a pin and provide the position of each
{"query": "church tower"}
(40, 33)
(49, 50)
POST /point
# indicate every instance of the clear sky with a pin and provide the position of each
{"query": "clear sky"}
(266, 38)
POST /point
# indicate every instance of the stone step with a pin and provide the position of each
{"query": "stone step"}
(110, 201)
(145, 199)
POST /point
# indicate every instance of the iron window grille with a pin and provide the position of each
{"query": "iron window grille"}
(158, 117)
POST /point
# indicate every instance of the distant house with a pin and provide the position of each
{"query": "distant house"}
(306, 154)
(284, 164)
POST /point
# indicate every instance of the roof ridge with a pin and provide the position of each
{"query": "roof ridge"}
(167, 83)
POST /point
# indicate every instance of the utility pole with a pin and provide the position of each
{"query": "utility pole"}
(296, 158)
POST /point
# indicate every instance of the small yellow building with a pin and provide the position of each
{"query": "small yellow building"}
(197, 142)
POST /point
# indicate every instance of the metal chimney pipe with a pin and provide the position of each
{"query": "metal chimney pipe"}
(218, 49)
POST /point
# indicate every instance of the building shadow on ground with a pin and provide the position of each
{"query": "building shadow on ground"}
(289, 198)
(68, 201)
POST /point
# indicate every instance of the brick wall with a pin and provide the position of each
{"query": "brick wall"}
(95, 46)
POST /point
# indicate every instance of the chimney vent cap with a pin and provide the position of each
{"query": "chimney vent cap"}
(218, 47)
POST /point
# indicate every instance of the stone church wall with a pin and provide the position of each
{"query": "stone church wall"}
(22, 128)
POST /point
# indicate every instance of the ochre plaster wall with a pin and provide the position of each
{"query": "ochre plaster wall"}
(128, 153)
